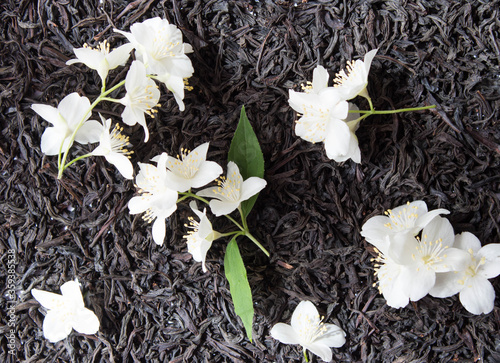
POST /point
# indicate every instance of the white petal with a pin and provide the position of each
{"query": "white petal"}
(90, 132)
(446, 284)
(72, 294)
(453, 259)
(122, 163)
(369, 58)
(478, 296)
(49, 113)
(466, 241)
(375, 232)
(159, 231)
(285, 334)
(419, 283)
(119, 56)
(209, 192)
(251, 186)
(51, 141)
(48, 300)
(491, 255)
(427, 217)
(321, 350)
(320, 78)
(56, 325)
(338, 139)
(74, 109)
(304, 313)
(207, 172)
(220, 208)
(90, 57)
(85, 321)
(439, 228)
(334, 336)
(139, 204)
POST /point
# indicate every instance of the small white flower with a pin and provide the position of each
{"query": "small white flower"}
(159, 46)
(353, 82)
(113, 146)
(156, 199)
(101, 59)
(142, 95)
(65, 312)
(476, 293)
(407, 266)
(407, 218)
(65, 119)
(200, 239)
(231, 191)
(191, 169)
(307, 330)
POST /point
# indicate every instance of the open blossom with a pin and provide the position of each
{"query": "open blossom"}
(231, 191)
(200, 238)
(71, 111)
(101, 59)
(159, 46)
(407, 267)
(191, 169)
(307, 330)
(142, 95)
(476, 293)
(353, 82)
(65, 312)
(156, 199)
(114, 147)
(408, 218)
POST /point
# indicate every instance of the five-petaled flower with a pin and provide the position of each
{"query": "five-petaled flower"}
(231, 191)
(156, 198)
(200, 238)
(159, 46)
(70, 117)
(353, 82)
(307, 329)
(476, 293)
(101, 59)
(142, 95)
(191, 169)
(113, 145)
(65, 312)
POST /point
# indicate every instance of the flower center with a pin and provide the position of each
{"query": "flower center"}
(186, 165)
(430, 252)
(120, 142)
(229, 188)
(309, 328)
(164, 44)
(353, 70)
(471, 270)
(314, 121)
(404, 219)
(103, 47)
(143, 98)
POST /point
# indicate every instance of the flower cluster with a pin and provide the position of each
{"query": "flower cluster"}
(419, 254)
(326, 116)
(160, 54)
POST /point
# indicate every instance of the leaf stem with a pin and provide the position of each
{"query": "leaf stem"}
(386, 112)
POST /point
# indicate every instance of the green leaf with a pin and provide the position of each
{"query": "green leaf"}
(245, 151)
(241, 293)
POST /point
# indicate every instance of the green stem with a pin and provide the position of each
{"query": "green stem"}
(254, 240)
(76, 159)
(305, 355)
(386, 112)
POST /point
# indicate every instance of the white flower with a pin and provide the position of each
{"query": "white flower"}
(341, 143)
(142, 95)
(407, 266)
(307, 330)
(200, 239)
(72, 110)
(156, 199)
(477, 294)
(101, 59)
(159, 46)
(232, 190)
(353, 82)
(113, 146)
(191, 169)
(65, 312)
(408, 218)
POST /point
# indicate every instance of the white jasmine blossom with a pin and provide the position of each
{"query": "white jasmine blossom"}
(476, 293)
(231, 191)
(70, 113)
(200, 238)
(353, 82)
(156, 199)
(65, 312)
(101, 59)
(142, 95)
(191, 169)
(307, 330)
(115, 148)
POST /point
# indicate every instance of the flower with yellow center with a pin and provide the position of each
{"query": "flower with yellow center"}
(231, 191)
(200, 237)
(191, 169)
(101, 59)
(307, 329)
(353, 82)
(142, 95)
(476, 293)
(65, 312)
(114, 146)
(156, 199)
